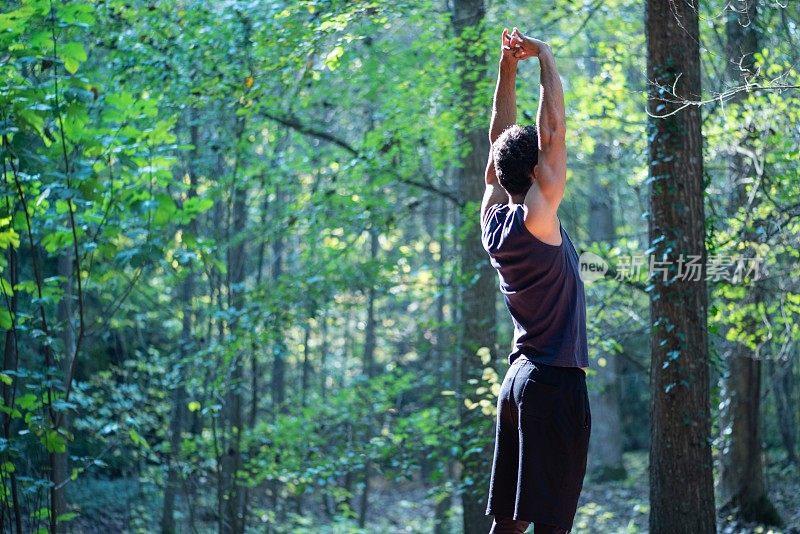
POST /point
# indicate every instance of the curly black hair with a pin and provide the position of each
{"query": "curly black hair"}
(515, 154)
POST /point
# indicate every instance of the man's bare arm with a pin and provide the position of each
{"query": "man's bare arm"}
(504, 106)
(504, 114)
(552, 129)
(547, 190)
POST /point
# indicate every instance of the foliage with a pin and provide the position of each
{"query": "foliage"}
(230, 239)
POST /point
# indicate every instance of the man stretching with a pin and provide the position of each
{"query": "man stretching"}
(543, 416)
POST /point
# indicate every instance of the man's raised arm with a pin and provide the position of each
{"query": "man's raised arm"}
(504, 114)
(544, 196)
(552, 129)
(504, 106)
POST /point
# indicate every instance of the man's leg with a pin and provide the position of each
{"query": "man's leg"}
(539, 528)
(506, 525)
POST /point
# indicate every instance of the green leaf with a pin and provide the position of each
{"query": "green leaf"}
(165, 209)
(194, 406)
(54, 442)
(79, 14)
(9, 238)
(69, 516)
(197, 205)
(72, 54)
(29, 401)
(332, 59)
(5, 323)
(14, 21)
(137, 439)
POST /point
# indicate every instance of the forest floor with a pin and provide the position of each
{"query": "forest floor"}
(125, 506)
(609, 507)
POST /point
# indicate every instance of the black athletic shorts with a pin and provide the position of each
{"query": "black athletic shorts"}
(543, 427)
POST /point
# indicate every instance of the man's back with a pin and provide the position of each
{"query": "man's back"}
(541, 286)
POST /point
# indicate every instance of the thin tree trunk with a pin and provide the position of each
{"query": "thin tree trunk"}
(279, 363)
(605, 458)
(441, 350)
(306, 368)
(783, 385)
(11, 362)
(255, 348)
(742, 485)
(681, 481)
(179, 413)
(65, 312)
(370, 371)
(233, 508)
(323, 354)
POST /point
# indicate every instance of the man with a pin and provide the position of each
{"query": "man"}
(543, 415)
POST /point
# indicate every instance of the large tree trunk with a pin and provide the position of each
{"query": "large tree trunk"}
(478, 298)
(681, 480)
(742, 486)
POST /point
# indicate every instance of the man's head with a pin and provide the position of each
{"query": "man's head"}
(515, 154)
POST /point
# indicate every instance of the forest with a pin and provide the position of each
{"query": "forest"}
(243, 288)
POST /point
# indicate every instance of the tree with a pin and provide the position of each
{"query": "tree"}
(605, 456)
(742, 486)
(681, 481)
(477, 299)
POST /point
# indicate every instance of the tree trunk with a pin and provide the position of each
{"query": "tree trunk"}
(681, 481)
(278, 385)
(369, 370)
(783, 380)
(65, 311)
(742, 486)
(605, 458)
(369, 329)
(178, 411)
(323, 355)
(306, 369)
(179, 393)
(441, 519)
(478, 297)
(233, 509)
(11, 361)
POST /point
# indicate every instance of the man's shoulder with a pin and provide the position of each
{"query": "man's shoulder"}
(498, 226)
(494, 214)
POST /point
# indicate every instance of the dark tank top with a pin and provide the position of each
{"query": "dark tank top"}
(541, 286)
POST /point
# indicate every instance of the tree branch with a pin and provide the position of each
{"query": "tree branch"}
(310, 131)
